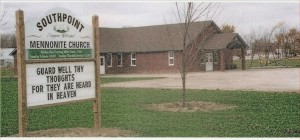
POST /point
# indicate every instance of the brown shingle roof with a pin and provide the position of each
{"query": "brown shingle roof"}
(157, 38)
(224, 40)
(147, 39)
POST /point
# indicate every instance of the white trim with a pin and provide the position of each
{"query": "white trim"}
(133, 59)
(209, 63)
(169, 58)
(102, 67)
(110, 54)
(121, 59)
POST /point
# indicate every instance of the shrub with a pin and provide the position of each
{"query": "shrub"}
(231, 66)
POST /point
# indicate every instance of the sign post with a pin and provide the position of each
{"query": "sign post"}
(22, 99)
(58, 63)
(97, 103)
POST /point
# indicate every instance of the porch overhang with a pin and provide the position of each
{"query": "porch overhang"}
(220, 42)
(225, 40)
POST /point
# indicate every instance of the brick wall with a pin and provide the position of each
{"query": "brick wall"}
(154, 62)
(228, 56)
(157, 62)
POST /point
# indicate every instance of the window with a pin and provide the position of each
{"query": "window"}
(133, 59)
(215, 57)
(209, 57)
(109, 60)
(2, 63)
(171, 58)
(120, 59)
(101, 61)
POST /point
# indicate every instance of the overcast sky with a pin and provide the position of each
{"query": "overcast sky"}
(246, 16)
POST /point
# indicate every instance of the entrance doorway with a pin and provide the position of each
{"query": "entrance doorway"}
(102, 65)
(209, 62)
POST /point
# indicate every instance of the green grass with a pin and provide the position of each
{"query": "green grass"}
(256, 63)
(7, 72)
(259, 114)
(106, 80)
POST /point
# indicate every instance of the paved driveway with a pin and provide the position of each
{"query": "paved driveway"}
(264, 80)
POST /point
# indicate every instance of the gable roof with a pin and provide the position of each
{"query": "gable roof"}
(5, 53)
(148, 38)
(224, 40)
(14, 52)
(162, 38)
(8, 41)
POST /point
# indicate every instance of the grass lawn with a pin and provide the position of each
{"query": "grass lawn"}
(259, 114)
(256, 64)
(6, 72)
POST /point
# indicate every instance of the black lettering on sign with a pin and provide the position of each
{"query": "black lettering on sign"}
(44, 23)
(53, 87)
(59, 17)
(66, 94)
(37, 89)
(48, 44)
(84, 84)
(64, 69)
(39, 26)
(78, 68)
(79, 44)
(54, 17)
(60, 78)
(64, 17)
(68, 86)
(50, 96)
(47, 70)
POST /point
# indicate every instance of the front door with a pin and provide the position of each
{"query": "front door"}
(102, 65)
(209, 62)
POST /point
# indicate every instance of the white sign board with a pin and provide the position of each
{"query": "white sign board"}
(49, 83)
(58, 35)
(58, 62)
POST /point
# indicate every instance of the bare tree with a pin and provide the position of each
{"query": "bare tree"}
(192, 48)
(281, 38)
(251, 39)
(268, 45)
(7, 41)
(292, 40)
(2, 16)
(226, 28)
(261, 44)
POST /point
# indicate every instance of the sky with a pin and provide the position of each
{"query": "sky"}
(245, 16)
